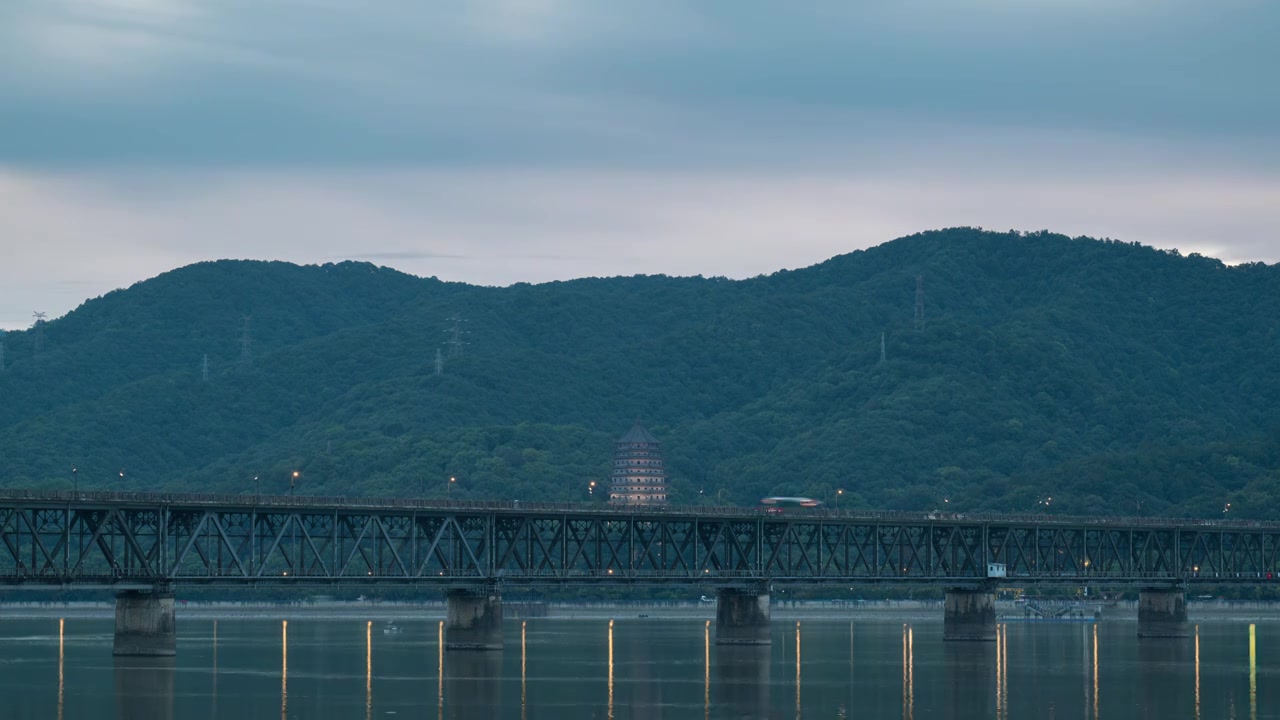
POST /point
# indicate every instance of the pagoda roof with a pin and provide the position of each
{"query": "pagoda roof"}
(638, 434)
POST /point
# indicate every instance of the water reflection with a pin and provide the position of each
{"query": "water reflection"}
(440, 671)
(1163, 665)
(798, 669)
(61, 661)
(908, 674)
(1095, 671)
(144, 687)
(284, 670)
(650, 670)
(740, 688)
(368, 670)
(1253, 672)
(610, 670)
(1197, 672)
(473, 683)
(706, 670)
(524, 678)
(213, 704)
(970, 669)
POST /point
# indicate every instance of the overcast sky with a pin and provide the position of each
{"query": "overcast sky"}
(494, 142)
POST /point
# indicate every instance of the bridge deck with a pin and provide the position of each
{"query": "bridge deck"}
(93, 538)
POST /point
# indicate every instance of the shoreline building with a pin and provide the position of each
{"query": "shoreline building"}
(639, 476)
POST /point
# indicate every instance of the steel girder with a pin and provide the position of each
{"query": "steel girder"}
(55, 544)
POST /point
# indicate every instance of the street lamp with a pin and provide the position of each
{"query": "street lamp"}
(1226, 508)
(75, 480)
(449, 487)
(293, 482)
(838, 494)
(591, 488)
(256, 491)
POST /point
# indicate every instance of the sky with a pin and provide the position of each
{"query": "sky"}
(497, 141)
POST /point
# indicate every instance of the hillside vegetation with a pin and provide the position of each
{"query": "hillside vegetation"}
(1110, 377)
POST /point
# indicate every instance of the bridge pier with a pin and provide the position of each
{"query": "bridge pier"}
(742, 617)
(473, 620)
(145, 624)
(969, 614)
(1162, 613)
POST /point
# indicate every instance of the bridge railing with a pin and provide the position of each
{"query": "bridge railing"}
(667, 511)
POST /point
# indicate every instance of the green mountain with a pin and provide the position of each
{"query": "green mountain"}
(1110, 377)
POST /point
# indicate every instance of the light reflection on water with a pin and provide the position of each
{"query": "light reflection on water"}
(641, 668)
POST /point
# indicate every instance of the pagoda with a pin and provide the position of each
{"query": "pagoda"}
(639, 477)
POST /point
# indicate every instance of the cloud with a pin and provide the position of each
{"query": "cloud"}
(558, 82)
(496, 227)
(523, 140)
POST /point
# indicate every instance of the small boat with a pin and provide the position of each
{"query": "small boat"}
(390, 628)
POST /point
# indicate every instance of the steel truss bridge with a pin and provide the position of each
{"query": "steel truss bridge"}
(126, 539)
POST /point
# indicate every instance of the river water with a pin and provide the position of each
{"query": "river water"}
(639, 668)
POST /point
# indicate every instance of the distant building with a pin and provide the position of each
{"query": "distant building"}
(639, 477)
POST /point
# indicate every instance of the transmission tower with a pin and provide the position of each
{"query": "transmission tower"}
(439, 361)
(919, 302)
(245, 356)
(455, 341)
(204, 369)
(40, 331)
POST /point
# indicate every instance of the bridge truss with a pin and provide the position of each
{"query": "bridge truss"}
(57, 539)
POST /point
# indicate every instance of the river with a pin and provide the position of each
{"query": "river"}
(320, 669)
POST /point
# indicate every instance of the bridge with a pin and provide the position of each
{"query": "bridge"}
(144, 544)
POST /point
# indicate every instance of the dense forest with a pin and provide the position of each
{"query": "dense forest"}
(1048, 373)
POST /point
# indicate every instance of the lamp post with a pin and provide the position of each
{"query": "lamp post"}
(293, 482)
(449, 487)
(838, 494)
(75, 480)
(591, 489)
(256, 491)
(720, 496)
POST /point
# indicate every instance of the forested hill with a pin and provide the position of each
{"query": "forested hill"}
(1111, 377)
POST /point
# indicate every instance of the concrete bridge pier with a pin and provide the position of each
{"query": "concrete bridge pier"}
(473, 620)
(145, 624)
(1162, 613)
(969, 614)
(742, 617)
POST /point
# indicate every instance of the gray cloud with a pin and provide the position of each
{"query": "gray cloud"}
(556, 82)
(499, 141)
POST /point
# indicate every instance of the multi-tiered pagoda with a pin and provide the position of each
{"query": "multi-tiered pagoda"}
(639, 477)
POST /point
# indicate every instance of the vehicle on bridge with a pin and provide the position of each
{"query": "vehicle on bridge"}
(781, 504)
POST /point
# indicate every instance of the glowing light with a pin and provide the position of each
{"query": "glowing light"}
(440, 671)
(524, 707)
(611, 670)
(1197, 672)
(1253, 671)
(706, 670)
(61, 625)
(284, 670)
(368, 670)
(908, 673)
(999, 677)
(1095, 671)
(797, 669)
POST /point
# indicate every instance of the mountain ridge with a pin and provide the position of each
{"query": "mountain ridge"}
(1045, 362)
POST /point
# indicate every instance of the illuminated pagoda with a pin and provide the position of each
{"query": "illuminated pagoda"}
(639, 477)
